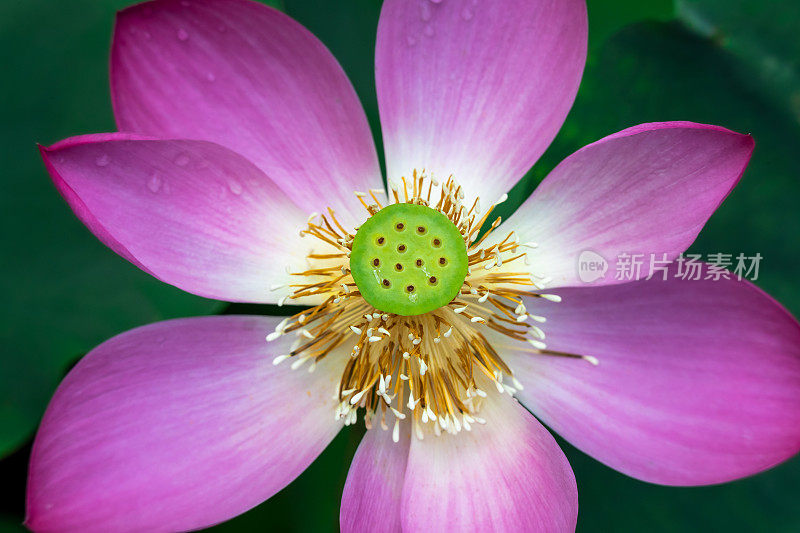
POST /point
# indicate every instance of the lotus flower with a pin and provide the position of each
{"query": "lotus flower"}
(236, 124)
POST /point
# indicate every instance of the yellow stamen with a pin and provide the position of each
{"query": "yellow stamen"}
(433, 368)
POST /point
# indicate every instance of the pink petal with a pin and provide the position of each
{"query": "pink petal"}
(81, 211)
(477, 91)
(371, 498)
(507, 475)
(191, 213)
(250, 78)
(645, 190)
(698, 382)
(176, 426)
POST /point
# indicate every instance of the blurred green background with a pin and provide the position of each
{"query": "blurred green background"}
(727, 62)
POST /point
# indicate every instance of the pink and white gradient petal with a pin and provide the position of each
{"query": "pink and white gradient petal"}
(372, 493)
(697, 382)
(506, 475)
(646, 190)
(192, 213)
(477, 91)
(177, 426)
(250, 78)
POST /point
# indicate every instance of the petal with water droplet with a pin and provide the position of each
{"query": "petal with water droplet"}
(487, 92)
(230, 247)
(279, 97)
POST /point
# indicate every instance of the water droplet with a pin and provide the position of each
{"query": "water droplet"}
(102, 160)
(182, 160)
(154, 183)
(425, 11)
(411, 40)
(210, 76)
(436, 1)
(467, 14)
(235, 187)
(182, 35)
(428, 30)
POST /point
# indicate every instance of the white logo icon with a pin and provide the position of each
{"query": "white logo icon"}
(591, 266)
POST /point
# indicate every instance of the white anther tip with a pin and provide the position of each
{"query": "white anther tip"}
(357, 397)
(300, 362)
(551, 297)
(539, 345)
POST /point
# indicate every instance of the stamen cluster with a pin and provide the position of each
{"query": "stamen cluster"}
(432, 369)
